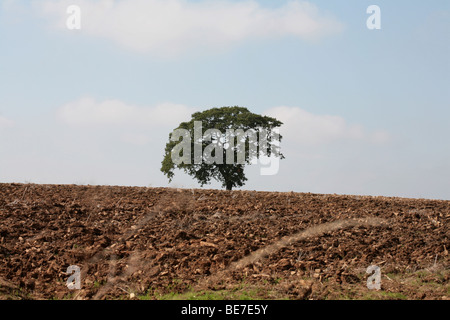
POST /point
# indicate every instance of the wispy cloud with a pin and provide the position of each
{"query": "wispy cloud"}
(172, 27)
(311, 129)
(89, 112)
(299, 125)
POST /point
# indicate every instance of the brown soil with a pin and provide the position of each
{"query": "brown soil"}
(135, 242)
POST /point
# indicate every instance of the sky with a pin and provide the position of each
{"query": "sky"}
(364, 111)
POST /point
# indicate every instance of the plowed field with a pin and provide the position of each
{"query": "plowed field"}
(161, 243)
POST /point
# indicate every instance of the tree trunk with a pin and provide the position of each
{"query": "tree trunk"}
(229, 185)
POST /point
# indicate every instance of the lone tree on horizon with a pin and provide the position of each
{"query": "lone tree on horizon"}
(231, 133)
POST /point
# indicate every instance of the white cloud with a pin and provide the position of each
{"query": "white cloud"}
(170, 27)
(299, 125)
(89, 112)
(307, 128)
(6, 123)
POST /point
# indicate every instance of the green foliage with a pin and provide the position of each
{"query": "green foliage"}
(235, 118)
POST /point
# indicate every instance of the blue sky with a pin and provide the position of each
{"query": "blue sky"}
(365, 111)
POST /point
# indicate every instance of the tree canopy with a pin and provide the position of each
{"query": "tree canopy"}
(219, 142)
